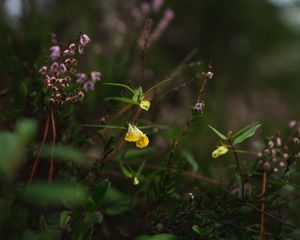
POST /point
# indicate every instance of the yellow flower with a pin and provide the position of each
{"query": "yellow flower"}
(136, 135)
(221, 150)
(135, 181)
(144, 104)
(142, 142)
(133, 134)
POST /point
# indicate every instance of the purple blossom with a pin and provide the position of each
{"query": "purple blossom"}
(199, 106)
(80, 48)
(95, 76)
(163, 24)
(156, 4)
(62, 68)
(72, 47)
(84, 40)
(145, 7)
(43, 70)
(80, 95)
(67, 53)
(81, 77)
(54, 52)
(54, 67)
(88, 86)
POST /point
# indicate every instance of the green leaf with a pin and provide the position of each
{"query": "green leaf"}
(10, 153)
(120, 85)
(157, 85)
(122, 99)
(26, 129)
(64, 153)
(245, 133)
(138, 153)
(100, 190)
(197, 229)
(126, 170)
(187, 155)
(222, 136)
(64, 219)
(104, 126)
(55, 194)
(161, 236)
(96, 217)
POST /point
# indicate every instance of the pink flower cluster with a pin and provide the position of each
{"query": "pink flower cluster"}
(88, 81)
(145, 8)
(163, 24)
(61, 69)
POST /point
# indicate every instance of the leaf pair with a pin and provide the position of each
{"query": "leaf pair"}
(240, 136)
(138, 94)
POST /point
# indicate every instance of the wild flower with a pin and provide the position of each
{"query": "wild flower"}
(221, 150)
(144, 104)
(156, 4)
(84, 39)
(163, 24)
(136, 135)
(199, 106)
(95, 76)
(135, 181)
(61, 70)
(55, 52)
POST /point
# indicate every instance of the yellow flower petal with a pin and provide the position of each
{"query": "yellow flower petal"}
(142, 142)
(144, 104)
(135, 181)
(221, 150)
(132, 135)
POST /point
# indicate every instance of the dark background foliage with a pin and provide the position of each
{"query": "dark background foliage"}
(253, 47)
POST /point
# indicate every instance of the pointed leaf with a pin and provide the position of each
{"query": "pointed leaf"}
(120, 85)
(157, 85)
(245, 133)
(222, 136)
(104, 126)
(122, 99)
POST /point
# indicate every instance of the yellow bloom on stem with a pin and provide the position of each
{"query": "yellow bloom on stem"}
(136, 135)
(142, 142)
(144, 104)
(135, 181)
(221, 150)
(133, 134)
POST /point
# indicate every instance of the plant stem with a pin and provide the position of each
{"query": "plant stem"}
(262, 208)
(238, 165)
(53, 145)
(36, 161)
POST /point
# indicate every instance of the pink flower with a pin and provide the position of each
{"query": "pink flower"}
(156, 4)
(88, 86)
(54, 67)
(95, 76)
(163, 24)
(54, 52)
(81, 77)
(43, 70)
(62, 68)
(80, 48)
(66, 53)
(84, 40)
(145, 8)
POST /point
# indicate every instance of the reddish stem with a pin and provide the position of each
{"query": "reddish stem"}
(262, 209)
(50, 176)
(35, 164)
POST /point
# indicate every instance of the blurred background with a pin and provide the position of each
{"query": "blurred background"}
(253, 46)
